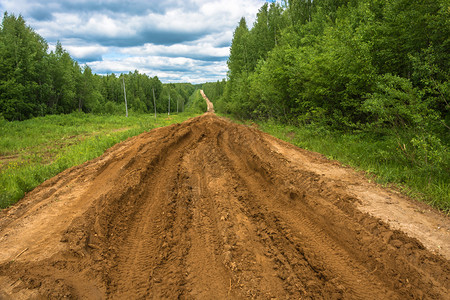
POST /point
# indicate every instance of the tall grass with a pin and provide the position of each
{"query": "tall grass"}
(377, 154)
(35, 150)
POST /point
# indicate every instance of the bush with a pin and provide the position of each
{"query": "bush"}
(112, 108)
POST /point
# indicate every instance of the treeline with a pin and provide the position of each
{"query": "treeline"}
(214, 90)
(36, 82)
(366, 65)
(343, 62)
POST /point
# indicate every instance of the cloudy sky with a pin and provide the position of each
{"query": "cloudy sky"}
(176, 40)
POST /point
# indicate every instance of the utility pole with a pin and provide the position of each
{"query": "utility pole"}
(177, 105)
(125, 95)
(168, 112)
(154, 101)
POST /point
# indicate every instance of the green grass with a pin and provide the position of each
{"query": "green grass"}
(380, 156)
(35, 150)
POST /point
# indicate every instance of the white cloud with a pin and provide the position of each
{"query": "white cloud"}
(198, 50)
(91, 51)
(174, 39)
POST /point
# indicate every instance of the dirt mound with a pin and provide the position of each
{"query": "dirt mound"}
(211, 209)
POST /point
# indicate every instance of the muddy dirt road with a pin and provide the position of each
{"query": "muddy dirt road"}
(209, 209)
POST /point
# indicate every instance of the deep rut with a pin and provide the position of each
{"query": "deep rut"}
(208, 209)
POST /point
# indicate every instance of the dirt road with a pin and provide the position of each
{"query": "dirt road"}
(209, 104)
(209, 209)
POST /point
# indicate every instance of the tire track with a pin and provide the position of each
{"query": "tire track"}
(338, 262)
(207, 209)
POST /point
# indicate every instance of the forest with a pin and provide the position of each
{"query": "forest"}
(372, 75)
(343, 63)
(35, 81)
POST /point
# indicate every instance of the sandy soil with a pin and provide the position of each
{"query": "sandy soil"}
(209, 209)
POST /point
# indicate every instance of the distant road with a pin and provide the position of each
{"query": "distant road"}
(208, 103)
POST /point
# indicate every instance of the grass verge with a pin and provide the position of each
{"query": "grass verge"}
(35, 150)
(378, 155)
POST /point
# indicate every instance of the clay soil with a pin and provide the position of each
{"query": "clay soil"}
(209, 209)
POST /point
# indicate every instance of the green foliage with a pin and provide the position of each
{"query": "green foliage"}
(397, 106)
(196, 103)
(332, 56)
(248, 47)
(395, 102)
(22, 68)
(112, 108)
(239, 51)
(179, 97)
(405, 29)
(214, 90)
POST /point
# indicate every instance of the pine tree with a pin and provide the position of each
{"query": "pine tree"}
(239, 52)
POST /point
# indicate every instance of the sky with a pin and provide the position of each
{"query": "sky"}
(176, 40)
